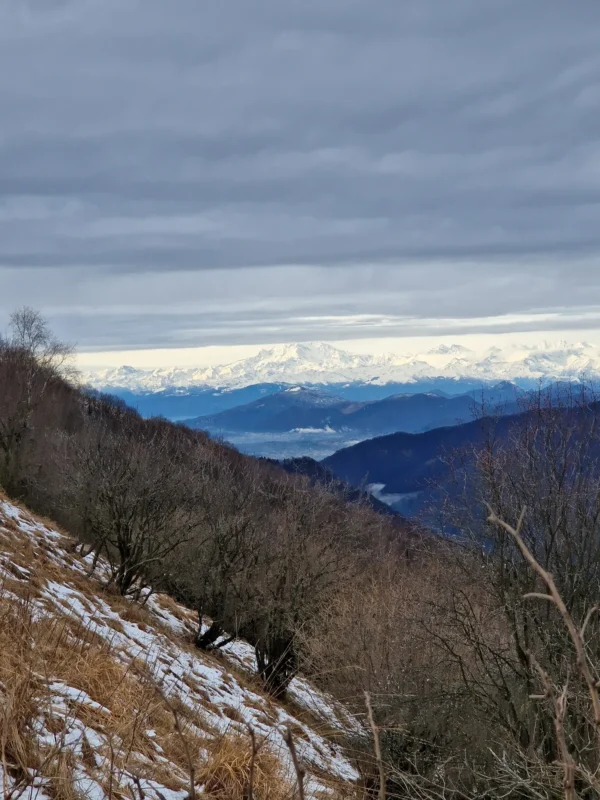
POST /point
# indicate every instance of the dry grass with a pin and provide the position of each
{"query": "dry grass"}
(227, 775)
(61, 774)
(233, 714)
(22, 691)
(39, 644)
(132, 612)
(180, 613)
(37, 651)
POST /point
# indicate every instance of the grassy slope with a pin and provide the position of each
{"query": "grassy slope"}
(100, 697)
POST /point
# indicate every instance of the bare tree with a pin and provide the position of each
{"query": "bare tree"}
(580, 765)
(136, 493)
(488, 636)
(306, 555)
(215, 570)
(31, 359)
(272, 550)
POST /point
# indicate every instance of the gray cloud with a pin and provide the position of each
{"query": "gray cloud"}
(423, 158)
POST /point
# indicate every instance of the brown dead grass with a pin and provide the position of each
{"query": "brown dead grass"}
(61, 773)
(25, 591)
(265, 706)
(35, 651)
(21, 693)
(233, 714)
(178, 611)
(228, 772)
(16, 747)
(132, 612)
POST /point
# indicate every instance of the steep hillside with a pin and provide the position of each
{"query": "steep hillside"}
(319, 475)
(102, 697)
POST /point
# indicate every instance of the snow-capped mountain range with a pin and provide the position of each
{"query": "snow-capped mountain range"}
(321, 363)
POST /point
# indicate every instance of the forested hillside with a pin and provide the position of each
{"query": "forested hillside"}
(408, 462)
(479, 655)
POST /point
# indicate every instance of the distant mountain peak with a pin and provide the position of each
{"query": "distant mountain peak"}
(505, 385)
(302, 351)
(309, 363)
(449, 350)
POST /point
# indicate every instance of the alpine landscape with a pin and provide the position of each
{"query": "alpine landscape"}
(299, 400)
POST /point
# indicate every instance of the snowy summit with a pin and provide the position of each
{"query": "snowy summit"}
(321, 363)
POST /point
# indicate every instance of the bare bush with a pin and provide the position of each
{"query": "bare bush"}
(271, 552)
(489, 638)
(216, 569)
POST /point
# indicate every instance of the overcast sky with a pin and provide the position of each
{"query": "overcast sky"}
(186, 173)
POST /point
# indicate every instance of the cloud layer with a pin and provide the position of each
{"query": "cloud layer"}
(190, 173)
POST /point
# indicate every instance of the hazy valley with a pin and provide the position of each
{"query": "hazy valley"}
(314, 399)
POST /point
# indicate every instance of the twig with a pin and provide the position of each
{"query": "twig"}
(577, 638)
(554, 596)
(299, 769)
(138, 783)
(184, 742)
(587, 619)
(560, 710)
(188, 756)
(111, 768)
(250, 792)
(377, 745)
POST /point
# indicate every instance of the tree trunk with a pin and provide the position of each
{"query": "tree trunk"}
(206, 640)
(277, 665)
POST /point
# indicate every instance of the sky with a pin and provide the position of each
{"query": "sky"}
(185, 182)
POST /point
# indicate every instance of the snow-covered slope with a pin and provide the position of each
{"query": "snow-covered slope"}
(113, 698)
(320, 363)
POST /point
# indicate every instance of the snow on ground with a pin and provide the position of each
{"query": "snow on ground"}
(213, 688)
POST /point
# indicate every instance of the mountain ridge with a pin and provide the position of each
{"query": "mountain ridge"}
(322, 363)
(299, 408)
(408, 463)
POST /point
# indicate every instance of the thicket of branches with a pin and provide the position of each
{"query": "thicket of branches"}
(476, 683)
(468, 666)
